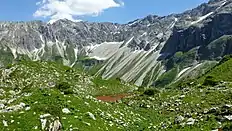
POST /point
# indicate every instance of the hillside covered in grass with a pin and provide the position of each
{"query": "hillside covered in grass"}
(35, 94)
(46, 96)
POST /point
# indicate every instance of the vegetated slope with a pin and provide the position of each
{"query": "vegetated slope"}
(200, 104)
(44, 95)
(36, 94)
(220, 72)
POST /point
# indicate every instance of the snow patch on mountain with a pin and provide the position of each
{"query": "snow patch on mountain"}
(201, 18)
(188, 70)
(173, 23)
(14, 52)
(129, 40)
(135, 22)
(223, 3)
(183, 71)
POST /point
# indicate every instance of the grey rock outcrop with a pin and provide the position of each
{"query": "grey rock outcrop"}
(55, 126)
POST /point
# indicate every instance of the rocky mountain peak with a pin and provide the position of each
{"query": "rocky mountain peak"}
(132, 51)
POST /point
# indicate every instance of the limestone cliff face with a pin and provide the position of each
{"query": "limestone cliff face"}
(142, 51)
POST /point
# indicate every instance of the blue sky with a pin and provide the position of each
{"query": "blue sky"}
(115, 11)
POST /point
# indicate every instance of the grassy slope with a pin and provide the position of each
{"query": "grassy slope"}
(47, 82)
(221, 72)
(191, 100)
(138, 112)
(42, 101)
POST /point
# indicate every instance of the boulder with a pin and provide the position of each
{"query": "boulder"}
(91, 115)
(66, 111)
(190, 121)
(179, 119)
(55, 126)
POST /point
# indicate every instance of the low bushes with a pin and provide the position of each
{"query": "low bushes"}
(65, 87)
(151, 91)
(210, 81)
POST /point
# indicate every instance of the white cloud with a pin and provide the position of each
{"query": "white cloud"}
(67, 9)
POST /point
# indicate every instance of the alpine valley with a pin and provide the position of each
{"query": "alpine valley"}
(156, 73)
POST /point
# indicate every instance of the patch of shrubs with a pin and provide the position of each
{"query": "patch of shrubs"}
(210, 81)
(151, 92)
(65, 87)
(227, 127)
(68, 91)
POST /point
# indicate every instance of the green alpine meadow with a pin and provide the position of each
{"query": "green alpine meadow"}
(156, 73)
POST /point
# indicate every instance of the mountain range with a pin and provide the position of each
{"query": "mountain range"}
(142, 52)
(156, 73)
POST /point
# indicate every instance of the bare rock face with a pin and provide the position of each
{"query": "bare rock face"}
(55, 126)
(135, 52)
(50, 123)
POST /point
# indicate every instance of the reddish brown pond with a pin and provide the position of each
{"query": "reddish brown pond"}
(112, 98)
